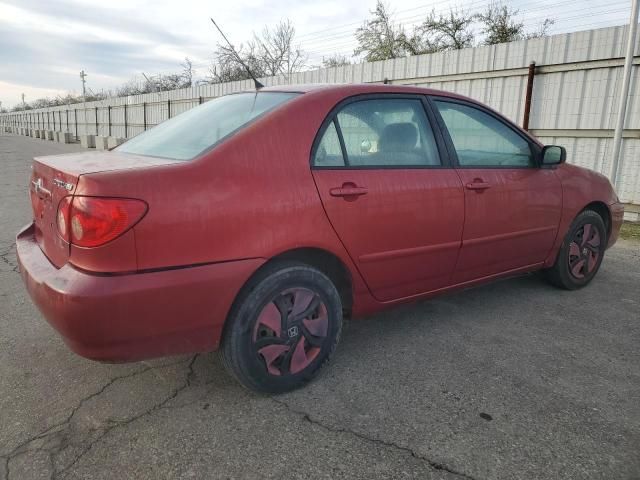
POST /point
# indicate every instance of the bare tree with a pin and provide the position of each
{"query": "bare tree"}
(226, 67)
(335, 60)
(278, 53)
(187, 72)
(273, 52)
(447, 32)
(379, 38)
(543, 29)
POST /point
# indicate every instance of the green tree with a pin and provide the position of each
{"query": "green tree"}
(447, 32)
(379, 38)
(499, 25)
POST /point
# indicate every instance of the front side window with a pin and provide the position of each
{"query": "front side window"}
(382, 132)
(481, 140)
(191, 133)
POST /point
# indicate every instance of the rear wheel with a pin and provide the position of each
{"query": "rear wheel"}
(283, 328)
(581, 253)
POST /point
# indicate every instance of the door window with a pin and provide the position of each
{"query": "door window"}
(481, 140)
(381, 133)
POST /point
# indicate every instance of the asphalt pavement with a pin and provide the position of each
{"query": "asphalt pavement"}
(511, 380)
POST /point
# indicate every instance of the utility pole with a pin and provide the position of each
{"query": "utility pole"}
(84, 89)
(23, 104)
(624, 94)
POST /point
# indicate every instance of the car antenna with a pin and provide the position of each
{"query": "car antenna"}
(255, 80)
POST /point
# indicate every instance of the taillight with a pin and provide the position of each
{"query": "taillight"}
(62, 218)
(94, 221)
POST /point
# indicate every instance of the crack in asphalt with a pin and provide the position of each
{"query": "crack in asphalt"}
(378, 441)
(62, 428)
(4, 255)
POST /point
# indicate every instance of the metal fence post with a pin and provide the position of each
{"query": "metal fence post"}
(125, 121)
(527, 102)
(168, 109)
(144, 116)
(624, 93)
(97, 133)
(75, 120)
(109, 118)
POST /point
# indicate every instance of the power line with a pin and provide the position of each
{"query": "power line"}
(330, 40)
(530, 22)
(343, 43)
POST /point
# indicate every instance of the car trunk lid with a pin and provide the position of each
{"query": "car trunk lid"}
(55, 177)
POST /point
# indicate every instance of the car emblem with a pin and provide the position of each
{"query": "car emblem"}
(293, 331)
(37, 185)
(39, 189)
(61, 183)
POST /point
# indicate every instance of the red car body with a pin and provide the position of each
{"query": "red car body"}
(167, 285)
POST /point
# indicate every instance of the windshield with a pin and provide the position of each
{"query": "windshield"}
(191, 133)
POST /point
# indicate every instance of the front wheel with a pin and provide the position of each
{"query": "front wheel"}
(283, 328)
(581, 254)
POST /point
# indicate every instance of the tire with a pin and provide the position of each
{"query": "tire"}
(579, 258)
(283, 328)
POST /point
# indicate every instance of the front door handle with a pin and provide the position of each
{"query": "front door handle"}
(478, 185)
(348, 190)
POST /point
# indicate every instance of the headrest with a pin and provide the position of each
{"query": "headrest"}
(398, 137)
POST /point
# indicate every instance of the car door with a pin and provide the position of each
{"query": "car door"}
(512, 204)
(397, 207)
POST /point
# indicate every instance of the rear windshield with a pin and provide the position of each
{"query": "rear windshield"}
(194, 131)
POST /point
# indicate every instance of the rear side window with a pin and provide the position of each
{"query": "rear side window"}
(191, 133)
(481, 140)
(382, 132)
(329, 151)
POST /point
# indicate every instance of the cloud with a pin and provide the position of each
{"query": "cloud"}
(45, 43)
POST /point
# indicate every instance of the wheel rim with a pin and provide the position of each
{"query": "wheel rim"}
(290, 331)
(584, 251)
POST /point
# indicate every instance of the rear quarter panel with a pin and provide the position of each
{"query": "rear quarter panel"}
(253, 196)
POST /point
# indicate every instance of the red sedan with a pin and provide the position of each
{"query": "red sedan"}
(258, 221)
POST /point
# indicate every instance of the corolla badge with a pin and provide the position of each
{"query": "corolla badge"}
(62, 184)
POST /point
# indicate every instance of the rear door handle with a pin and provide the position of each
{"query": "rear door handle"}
(348, 191)
(478, 185)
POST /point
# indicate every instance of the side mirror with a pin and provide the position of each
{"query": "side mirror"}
(553, 155)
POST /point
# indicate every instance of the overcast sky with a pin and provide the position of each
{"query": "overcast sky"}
(45, 43)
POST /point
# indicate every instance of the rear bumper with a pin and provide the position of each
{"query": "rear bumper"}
(617, 216)
(134, 316)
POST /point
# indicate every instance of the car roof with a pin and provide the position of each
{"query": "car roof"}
(348, 89)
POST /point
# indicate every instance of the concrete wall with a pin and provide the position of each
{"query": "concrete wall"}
(575, 97)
